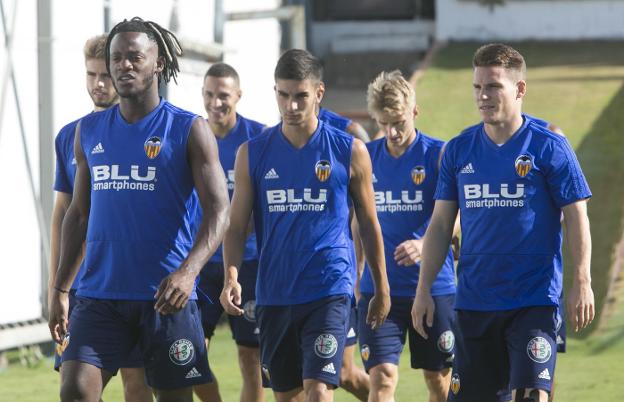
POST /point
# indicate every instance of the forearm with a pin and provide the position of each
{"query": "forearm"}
(435, 249)
(74, 230)
(578, 240)
(55, 243)
(372, 243)
(233, 248)
(208, 238)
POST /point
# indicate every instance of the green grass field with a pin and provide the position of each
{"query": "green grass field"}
(578, 86)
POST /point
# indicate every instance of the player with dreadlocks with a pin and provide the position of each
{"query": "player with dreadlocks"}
(138, 164)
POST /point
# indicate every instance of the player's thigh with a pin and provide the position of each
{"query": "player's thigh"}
(481, 363)
(245, 328)
(173, 347)
(531, 339)
(100, 333)
(322, 334)
(208, 291)
(280, 353)
(384, 344)
(437, 351)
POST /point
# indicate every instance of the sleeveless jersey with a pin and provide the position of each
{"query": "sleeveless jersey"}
(244, 130)
(66, 170)
(142, 201)
(334, 119)
(510, 198)
(301, 212)
(404, 189)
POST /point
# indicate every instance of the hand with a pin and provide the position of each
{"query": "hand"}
(408, 252)
(378, 309)
(59, 312)
(423, 308)
(231, 298)
(174, 291)
(580, 305)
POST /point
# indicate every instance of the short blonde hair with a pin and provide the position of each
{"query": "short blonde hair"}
(95, 48)
(390, 93)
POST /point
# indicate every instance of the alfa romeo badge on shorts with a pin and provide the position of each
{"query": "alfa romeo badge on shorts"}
(181, 352)
(325, 346)
(539, 349)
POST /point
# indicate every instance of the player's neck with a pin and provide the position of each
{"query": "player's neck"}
(134, 108)
(222, 130)
(299, 135)
(397, 150)
(500, 132)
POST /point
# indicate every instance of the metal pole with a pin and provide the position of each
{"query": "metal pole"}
(107, 15)
(8, 61)
(43, 205)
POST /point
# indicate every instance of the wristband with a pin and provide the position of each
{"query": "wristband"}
(61, 290)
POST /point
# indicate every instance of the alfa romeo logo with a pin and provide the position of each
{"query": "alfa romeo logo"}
(325, 346)
(181, 352)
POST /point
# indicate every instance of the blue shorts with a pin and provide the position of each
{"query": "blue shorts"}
(502, 350)
(385, 344)
(133, 360)
(172, 346)
(244, 328)
(352, 332)
(303, 341)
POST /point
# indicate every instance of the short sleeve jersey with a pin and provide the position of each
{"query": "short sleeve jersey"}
(510, 198)
(404, 189)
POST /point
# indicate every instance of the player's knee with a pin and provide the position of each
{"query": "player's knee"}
(174, 395)
(317, 391)
(436, 380)
(249, 359)
(74, 391)
(383, 376)
(534, 395)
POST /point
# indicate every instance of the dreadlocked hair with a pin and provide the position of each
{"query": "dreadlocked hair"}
(168, 45)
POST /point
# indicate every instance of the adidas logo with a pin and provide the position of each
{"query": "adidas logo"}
(467, 169)
(544, 375)
(329, 368)
(193, 373)
(256, 331)
(351, 333)
(374, 178)
(271, 174)
(98, 149)
(73, 161)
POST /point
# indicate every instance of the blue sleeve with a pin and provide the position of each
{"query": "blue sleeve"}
(447, 180)
(62, 181)
(566, 181)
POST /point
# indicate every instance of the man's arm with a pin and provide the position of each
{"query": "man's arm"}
(361, 189)
(209, 180)
(580, 301)
(356, 130)
(236, 235)
(359, 256)
(74, 230)
(436, 245)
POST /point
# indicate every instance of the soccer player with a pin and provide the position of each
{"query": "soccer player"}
(137, 166)
(103, 95)
(511, 178)
(298, 178)
(352, 378)
(221, 93)
(405, 172)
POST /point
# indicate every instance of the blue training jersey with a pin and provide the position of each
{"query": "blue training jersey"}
(301, 212)
(404, 189)
(510, 198)
(66, 170)
(244, 130)
(334, 119)
(142, 201)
